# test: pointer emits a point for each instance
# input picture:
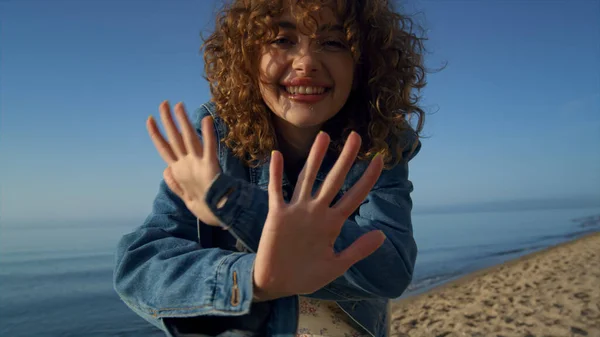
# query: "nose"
(306, 61)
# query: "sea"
(56, 276)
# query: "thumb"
(171, 182)
(364, 246)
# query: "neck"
(294, 142)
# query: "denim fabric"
(174, 267)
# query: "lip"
(307, 82)
(304, 98)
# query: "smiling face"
(306, 80)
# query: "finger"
(275, 180)
(335, 178)
(209, 137)
(355, 196)
(190, 138)
(172, 183)
(161, 145)
(364, 246)
(173, 134)
(306, 179)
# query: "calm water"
(452, 245)
(56, 278)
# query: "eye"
(282, 42)
(334, 44)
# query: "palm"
(192, 165)
(295, 254)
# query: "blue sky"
(517, 109)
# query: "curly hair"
(388, 77)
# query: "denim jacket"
(175, 267)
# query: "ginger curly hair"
(389, 75)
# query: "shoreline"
(554, 291)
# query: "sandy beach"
(553, 292)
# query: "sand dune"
(554, 292)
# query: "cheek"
(265, 78)
(263, 74)
(268, 81)
(344, 78)
(270, 68)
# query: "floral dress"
(320, 318)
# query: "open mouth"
(305, 90)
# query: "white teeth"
(302, 90)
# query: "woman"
(327, 85)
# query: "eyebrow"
(328, 27)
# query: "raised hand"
(192, 166)
(295, 254)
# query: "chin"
(306, 117)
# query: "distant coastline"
(418, 209)
(582, 226)
(511, 205)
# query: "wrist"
(260, 294)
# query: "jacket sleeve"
(163, 271)
(385, 273)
